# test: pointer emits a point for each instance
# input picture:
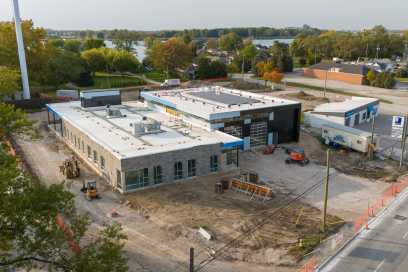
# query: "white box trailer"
(352, 138)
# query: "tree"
(93, 43)
(124, 61)
(348, 45)
(384, 80)
(148, 41)
(63, 67)
(95, 60)
(170, 55)
(212, 43)
(74, 46)
(263, 67)
(211, 69)
(275, 76)
(36, 48)
(124, 39)
(204, 68)
(12, 121)
(39, 225)
(230, 42)
(85, 79)
(371, 75)
(9, 82)
(402, 72)
(281, 58)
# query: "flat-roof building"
(255, 118)
(350, 112)
(135, 147)
(331, 70)
(173, 135)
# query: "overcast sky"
(181, 14)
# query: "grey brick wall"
(167, 160)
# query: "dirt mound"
(307, 97)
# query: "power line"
(262, 223)
(205, 250)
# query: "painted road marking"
(405, 235)
(379, 266)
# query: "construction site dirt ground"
(161, 223)
(354, 181)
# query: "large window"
(95, 157)
(118, 179)
(157, 174)
(178, 170)
(191, 171)
(214, 163)
(231, 157)
(102, 159)
(137, 179)
(89, 152)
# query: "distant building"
(350, 112)
(331, 70)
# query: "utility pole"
(403, 140)
(367, 51)
(378, 50)
(326, 190)
(243, 66)
(191, 259)
(315, 57)
(371, 151)
(325, 83)
(21, 51)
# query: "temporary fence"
(373, 209)
(310, 265)
(332, 244)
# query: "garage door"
(258, 133)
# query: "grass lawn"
(402, 79)
(106, 81)
(155, 75)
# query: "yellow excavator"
(90, 190)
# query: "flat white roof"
(345, 106)
(214, 102)
(116, 134)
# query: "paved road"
(383, 248)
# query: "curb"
(402, 194)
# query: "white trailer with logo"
(352, 138)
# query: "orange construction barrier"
(310, 266)
(59, 220)
(373, 209)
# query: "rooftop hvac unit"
(113, 113)
(146, 126)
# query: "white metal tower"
(21, 51)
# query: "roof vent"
(112, 113)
